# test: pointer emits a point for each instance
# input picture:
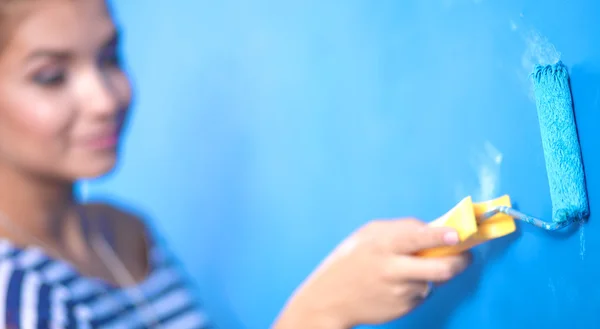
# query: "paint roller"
(480, 222)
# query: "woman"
(63, 101)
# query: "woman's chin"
(96, 169)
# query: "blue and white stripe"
(37, 291)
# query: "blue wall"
(264, 132)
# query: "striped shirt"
(37, 291)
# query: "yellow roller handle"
(464, 217)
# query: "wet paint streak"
(582, 240)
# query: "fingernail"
(451, 238)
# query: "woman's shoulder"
(118, 218)
(127, 232)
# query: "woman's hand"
(372, 277)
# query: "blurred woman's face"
(63, 95)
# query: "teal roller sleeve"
(562, 152)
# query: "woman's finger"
(429, 269)
(411, 236)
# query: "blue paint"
(560, 142)
(264, 132)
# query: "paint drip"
(582, 240)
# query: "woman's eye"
(50, 78)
